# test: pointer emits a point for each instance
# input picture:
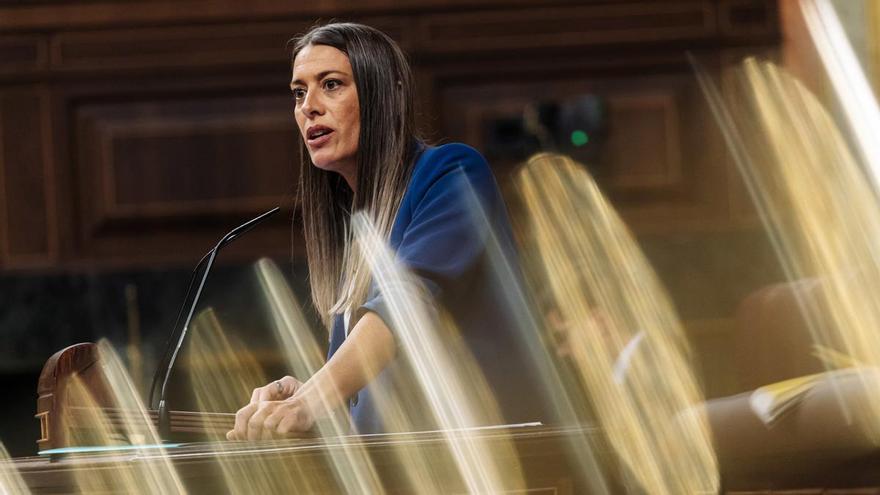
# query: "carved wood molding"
(102, 37)
(566, 27)
(172, 46)
(130, 150)
(169, 165)
(85, 15)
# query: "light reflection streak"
(304, 357)
(228, 386)
(560, 389)
(350, 463)
(132, 422)
(222, 370)
(851, 86)
(222, 375)
(607, 293)
(822, 215)
(443, 369)
(11, 482)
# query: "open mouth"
(316, 133)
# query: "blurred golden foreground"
(600, 328)
(814, 195)
(626, 344)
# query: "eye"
(299, 94)
(332, 84)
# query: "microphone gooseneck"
(166, 364)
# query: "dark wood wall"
(132, 133)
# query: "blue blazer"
(435, 236)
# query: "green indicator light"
(579, 138)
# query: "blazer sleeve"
(444, 240)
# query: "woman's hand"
(264, 400)
(280, 389)
(278, 410)
(270, 419)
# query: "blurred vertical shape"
(301, 351)
(223, 373)
(606, 294)
(351, 465)
(133, 348)
(444, 371)
(10, 480)
(126, 422)
(820, 211)
(851, 87)
(561, 388)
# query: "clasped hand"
(276, 410)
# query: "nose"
(312, 104)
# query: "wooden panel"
(748, 18)
(646, 152)
(662, 163)
(22, 54)
(853, 491)
(569, 27)
(177, 160)
(139, 92)
(186, 46)
(85, 14)
(173, 46)
(27, 220)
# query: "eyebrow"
(321, 75)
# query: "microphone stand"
(165, 371)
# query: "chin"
(320, 160)
(330, 163)
(324, 164)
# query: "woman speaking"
(353, 103)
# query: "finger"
(242, 416)
(239, 431)
(272, 420)
(269, 392)
(271, 423)
(278, 390)
(290, 385)
(255, 423)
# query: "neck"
(351, 180)
(348, 171)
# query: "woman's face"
(327, 110)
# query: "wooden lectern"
(61, 413)
(540, 450)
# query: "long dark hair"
(386, 148)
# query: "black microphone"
(168, 358)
